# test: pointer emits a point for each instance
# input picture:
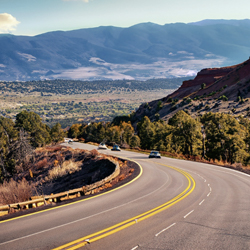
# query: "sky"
(33, 17)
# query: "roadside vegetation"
(19, 139)
(212, 137)
(98, 115)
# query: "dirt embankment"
(57, 169)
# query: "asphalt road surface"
(174, 204)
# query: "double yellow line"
(124, 224)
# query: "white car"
(102, 146)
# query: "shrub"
(159, 105)
(203, 85)
(54, 148)
(207, 107)
(42, 163)
(212, 93)
(13, 192)
(68, 167)
(223, 98)
(94, 153)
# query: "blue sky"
(32, 17)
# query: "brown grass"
(14, 192)
(42, 163)
(94, 153)
(68, 167)
(122, 177)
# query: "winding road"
(174, 204)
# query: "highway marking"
(134, 248)
(208, 194)
(127, 223)
(236, 172)
(201, 202)
(84, 218)
(188, 214)
(65, 205)
(165, 229)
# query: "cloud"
(27, 57)
(8, 23)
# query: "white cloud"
(27, 57)
(8, 23)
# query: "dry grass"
(94, 153)
(42, 163)
(68, 167)
(14, 192)
(122, 177)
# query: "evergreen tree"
(146, 132)
(187, 136)
(32, 123)
(225, 137)
(56, 133)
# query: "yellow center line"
(124, 224)
(74, 202)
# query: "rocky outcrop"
(207, 76)
(204, 93)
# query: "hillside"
(225, 90)
(143, 51)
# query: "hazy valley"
(70, 102)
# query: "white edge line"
(201, 202)
(165, 229)
(208, 194)
(84, 218)
(134, 248)
(188, 214)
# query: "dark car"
(116, 148)
(154, 154)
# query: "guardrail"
(37, 201)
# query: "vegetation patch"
(56, 169)
(68, 102)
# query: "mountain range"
(142, 51)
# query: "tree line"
(65, 87)
(213, 136)
(19, 138)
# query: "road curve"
(213, 215)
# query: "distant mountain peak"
(142, 51)
(233, 22)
